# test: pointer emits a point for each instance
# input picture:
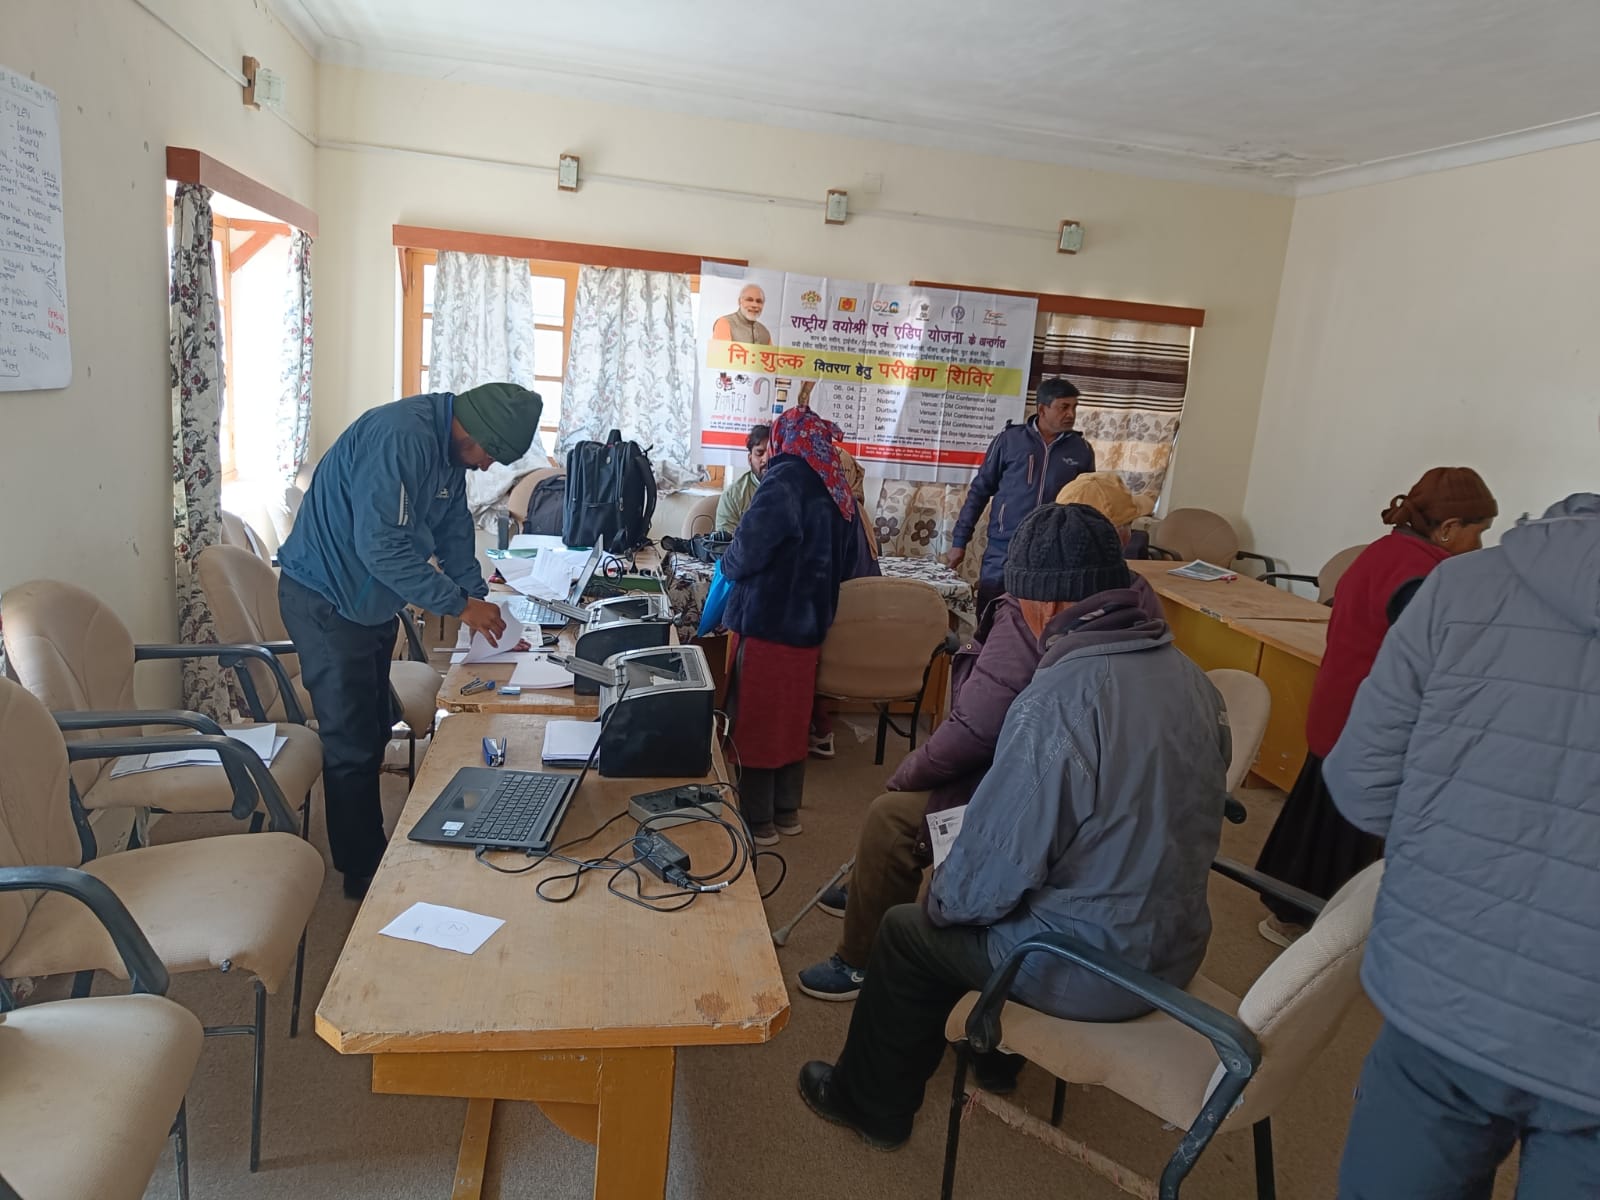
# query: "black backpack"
(611, 495)
(547, 505)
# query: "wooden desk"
(1243, 599)
(546, 702)
(1291, 654)
(577, 1007)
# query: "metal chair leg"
(883, 730)
(952, 1135)
(1266, 1183)
(1058, 1103)
(260, 1065)
(82, 983)
(411, 762)
(305, 818)
(257, 820)
(299, 981)
(180, 1148)
(916, 720)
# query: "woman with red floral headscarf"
(797, 541)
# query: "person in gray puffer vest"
(1474, 749)
(1099, 817)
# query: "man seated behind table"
(737, 495)
(1105, 492)
(1099, 818)
(893, 849)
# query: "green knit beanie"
(503, 418)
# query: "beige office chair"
(1249, 703)
(1186, 534)
(701, 517)
(235, 902)
(236, 531)
(881, 646)
(1325, 580)
(243, 594)
(72, 652)
(1204, 1060)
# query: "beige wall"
(1169, 243)
(85, 472)
(1439, 320)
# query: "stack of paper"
(480, 649)
(263, 739)
(540, 672)
(1203, 571)
(569, 743)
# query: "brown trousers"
(886, 873)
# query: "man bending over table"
(1099, 818)
(389, 495)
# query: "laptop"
(533, 611)
(501, 810)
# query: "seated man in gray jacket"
(1474, 749)
(1100, 818)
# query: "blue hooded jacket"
(1018, 474)
(385, 498)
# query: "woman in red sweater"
(1312, 846)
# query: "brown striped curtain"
(1133, 377)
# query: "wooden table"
(1291, 654)
(577, 1007)
(1247, 625)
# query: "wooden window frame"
(1087, 306)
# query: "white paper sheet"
(263, 739)
(537, 541)
(1205, 572)
(503, 656)
(942, 830)
(480, 649)
(540, 672)
(447, 928)
(569, 743)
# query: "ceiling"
(1279, 94)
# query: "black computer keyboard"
(522, 810)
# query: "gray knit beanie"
(1064, 552)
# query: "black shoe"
(355, 886)
(816, 1089)
(834, 900)
(997, 1073)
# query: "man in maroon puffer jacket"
(892, 850)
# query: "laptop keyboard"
(531, 612)
(522, 810)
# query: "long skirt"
(1312, 846)
(771, 692)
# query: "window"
(555, 286)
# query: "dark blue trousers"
(345, 667)
(1427, 1128)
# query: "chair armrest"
(414, 644)
(73, 722)
(1235, 1045)
(1155, 551)
(1272, 563)
(1274, 576)
(1234, 811)
(1266, 885)
(248, 775)
(232, 656)
(277, 648)
(146, 972)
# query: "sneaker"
(834, 899)
(788, 824)
(1280, 933)
(764, 835)
(822, 747)
(832, 980)
(817, 1090)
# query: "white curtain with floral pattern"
(292, 420)
(483, 330)
(195, 352)
(631, 367)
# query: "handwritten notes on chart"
(34, 350)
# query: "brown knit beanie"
(1442, 493)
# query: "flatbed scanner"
(618, 623)
(663, 698)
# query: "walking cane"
(780, 936)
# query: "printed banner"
(919, 380)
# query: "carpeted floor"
(739, 1128)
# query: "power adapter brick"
(678, 805)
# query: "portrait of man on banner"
(741, 325)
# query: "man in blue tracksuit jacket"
(1025, 466)
(388, 496)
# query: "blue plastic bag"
(716, 602)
